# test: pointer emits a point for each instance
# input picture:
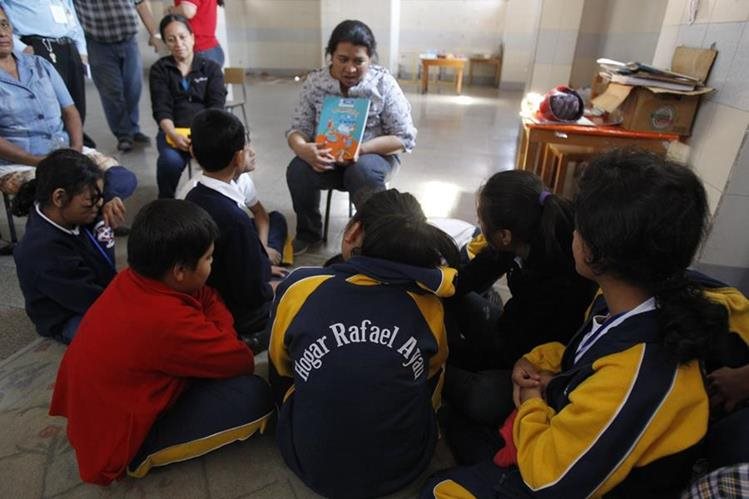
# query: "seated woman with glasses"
(182, 84)
(66, 257)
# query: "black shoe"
(88, 141)
(142, 139)
(6, 249)
(121, 231)
(258, 342)
(125, 144)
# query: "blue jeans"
(214, 54)
(277, 230)
(69, 329)
(367, 175)
(169, 166)
(119, 182)
(117, 70)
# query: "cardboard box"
(656, 109)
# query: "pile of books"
(638, 74)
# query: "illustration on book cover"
(341, 126)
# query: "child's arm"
(729, 387)
(215, 310)
(262, 224)
(70, 282)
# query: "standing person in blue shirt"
(66, 257)
(116, 66)
(37, 116)
(389, 130)
(50, 29)
(241, 268)
(357, 352)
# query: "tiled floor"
(461, 141)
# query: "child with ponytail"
(66, 256)
(622, 408)
(357, 352)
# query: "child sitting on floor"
(66, 257)
(241, 269)
(622, 408)
(357, 353)
(156, 373)
(270, 226)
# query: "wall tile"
(546, 46)
(739, 181)
(691, 35)
(735, 90)
(728, 243)
(713, 197)
(703, 12)
(564, 51)
(730, 11)
(720, 145)
(726, 38)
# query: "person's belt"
(63, 40)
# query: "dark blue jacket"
(61, 274)
(363, 344)
(241, 269)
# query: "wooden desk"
(492, 61)
(452, 62)
(533, 138)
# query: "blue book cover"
(341, 126)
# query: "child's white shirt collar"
(228, 189)
(73, 232)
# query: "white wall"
(625, 30)
(461, 27)
(519, 35)
(721, 124)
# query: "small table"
(447, 62)
(534, 136)
(492, 61)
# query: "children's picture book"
(341, 126)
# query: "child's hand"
(273, 255)
(728, 387)
(277, 271)
(525, 374)
(113, 212)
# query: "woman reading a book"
(388, 129)
(182, 84)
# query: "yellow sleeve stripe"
(448, 489)
(476, 246)
(431, 308)
(362, 280)
(738, 309)
(291, 302)
(287, 256)
(445, 287)
(196, 448)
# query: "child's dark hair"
(396, 229)
(517, 200)
(65, 169)
(354, 32)
(216, 137)
(169, 232)
(173, 18)
(643, 219)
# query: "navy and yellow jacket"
(625, 415)
(356, 356)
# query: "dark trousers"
(367, 175)
(68, 63)
(169, 166)
(727, 439)
(278, 231)
(206, 410)
(483, 480)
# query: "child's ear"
(59, 197)
(178, 272)
(502, 238)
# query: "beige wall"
(625, 30)
(720, 128)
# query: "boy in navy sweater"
(241, 268)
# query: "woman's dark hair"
(516, 200)
(169, 232)
(65, 169)
(396, 229)
(220, 3)
(643, 218)
(216, 137)
(173, 18)
(354, 32)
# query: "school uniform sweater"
(62, 272)
(132, 357)
(624, 415)
(549, 298)
(241, 269)
(356, 352)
